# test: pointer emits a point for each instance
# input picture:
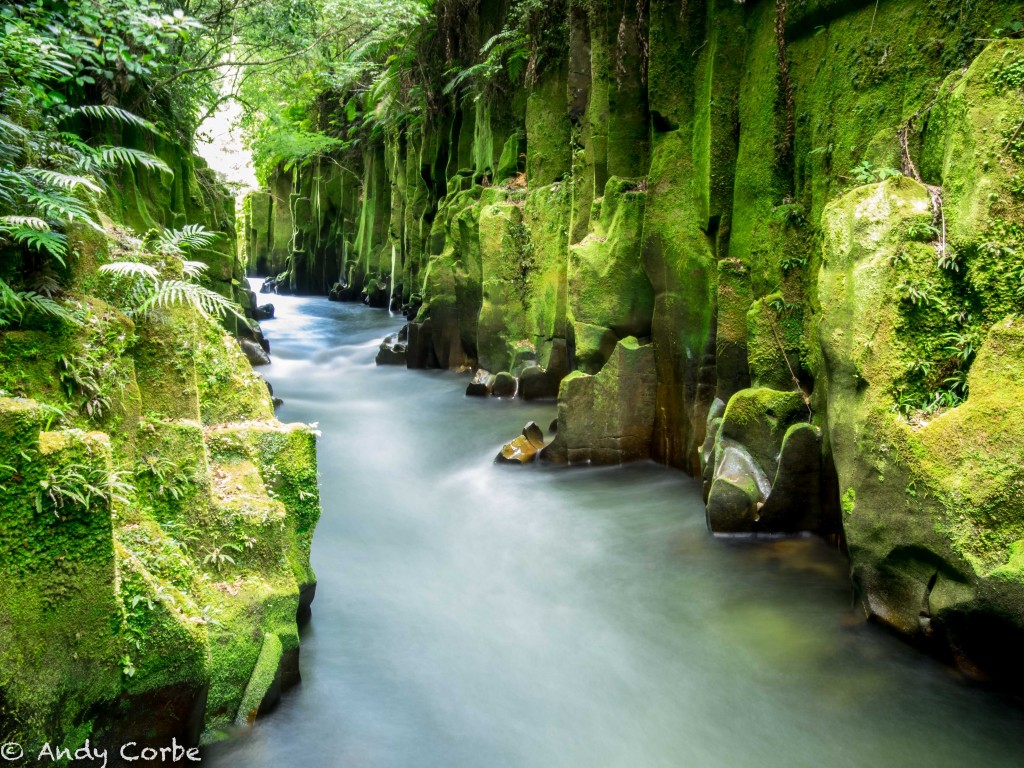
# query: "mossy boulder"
(607, 418)
(763, 465)
(931, 507)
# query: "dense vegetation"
(140, 592)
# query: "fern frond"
(56, 206)
(14, 305)
(11, 306)
(131, 269)
(32, 222)
(194, 269)
(108, 157)
(12, 129)
(62, 180)
(188, 237)
(44, 241)
(35, 302)
(107, 111)
(177, 292)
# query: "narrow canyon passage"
(470, 614)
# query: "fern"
(148, 292)
(16, 305)
(43, 305)
(171, 292)
(57, 205)
(53, 243)
(31, 222)
(61, 180)
(109, 157)
(175, 241)
(107, 111)
(8, 128)
(194, 269)
(131, 269)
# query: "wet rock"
(307, 592)
(338, 292)
(278, 402)
(734, 505)
(413, 307)
(518, 451)
(536, 384)
(794, 503)
(761, 443)
(523, 449)
(481, 384)
(375, 292)
(253, 332)
(254, 353)
(758, 419)
(247, 301)
(553, 426)
(505, 385)
(534, 434)
(420, 350)
(607, 418)
(263, 312)
(280, 284)
(392, 351)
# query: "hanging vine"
(786, 149)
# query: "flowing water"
(482, 616)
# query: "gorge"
(757, 265)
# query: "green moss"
(547, 130)
(263, 677)
(849, 501)
(606, 281)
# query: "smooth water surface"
(482, 616)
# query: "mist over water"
(477, 615)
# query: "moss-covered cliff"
(806, 212)
(155, 518)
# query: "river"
(483, 616)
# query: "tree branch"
(192, 70)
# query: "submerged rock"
(535, 384)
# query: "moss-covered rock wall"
(155, 518)
(807, 212)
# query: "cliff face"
(155, 518)
(809, 212)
